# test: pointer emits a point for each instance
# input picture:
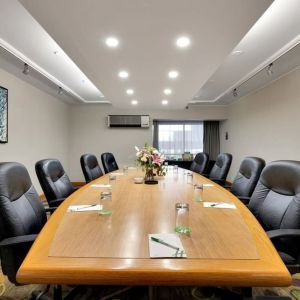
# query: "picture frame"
(3, 115)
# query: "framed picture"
(3, 115)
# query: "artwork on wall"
(3, 115)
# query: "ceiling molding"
(9, 48)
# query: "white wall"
(265, 124)
(38, 126)
(89, 133)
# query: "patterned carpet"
(10, 292)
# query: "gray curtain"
(155, 134)
(211, 139)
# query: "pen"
(84, 207)
(164, 243)
(215, 204)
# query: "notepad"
(117, 174)
(219, 205)
(159, 250)
(80, 208)
(207, 185)
(100, 185)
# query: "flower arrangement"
(151, 160)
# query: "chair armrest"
(279, 233)
(50, 209)
(218, 181)
(17, 240)
(244, 199)
(55, 203)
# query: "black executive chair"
(22, 216)
(200, 162)
(54, 181)
(90, 167)
(247, 178)
(221, 168)
(275, 203)
(109, 162)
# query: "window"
(175, 138)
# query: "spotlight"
(270, 69)
(234, 93)
(26, 69)
(60, 90)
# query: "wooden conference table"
(227, 247)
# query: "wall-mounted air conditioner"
(142, 121)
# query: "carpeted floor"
(10, 292)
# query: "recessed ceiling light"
(167, 91)
(123, 74)
(130, 92)
(173, 74)
(183, 42)
(237, 52)
(164, 102)
(134, 102)
(112, 42)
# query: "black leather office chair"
(22, 216)
(221, 168)
(109, 163)
(247, 178)
(199, 164)
(275, 203)
(90, 167)
(54, 181)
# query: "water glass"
(112, 179)
(105, 196)
(125, 170)
(175, 169)
(182, 218)
(189, 178)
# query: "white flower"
(136, 148)
(144, 158)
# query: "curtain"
(211, 139)
(155, 134)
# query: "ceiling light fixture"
(134, 102)
(112, 42)
(123, 74)
(25, 69)
(167, 91)
(60, 90)
(173, 74)
(270, 69)
(237, 52)
(130, 92)
(234, 93)
(164, 102)
(183, 42)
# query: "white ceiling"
(147, 31)
(276, 32)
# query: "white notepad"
(158, 250)
(117, 174)
(100, 185)
(219, 205)
(80, 208)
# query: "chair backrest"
(21, 213)
(109, 163)
(53, 179)
(275, 201)
(247, 176)
(200, 162)
(221, 167)
(90, 167)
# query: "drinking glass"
(125, 170)
(175, 169)
(112, 179)
(189, 178)
(182, 218)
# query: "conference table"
(227, 247)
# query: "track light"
(26, 69)
(270, 69)
(60, 90)
(234, 93)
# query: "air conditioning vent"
(141, 121)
